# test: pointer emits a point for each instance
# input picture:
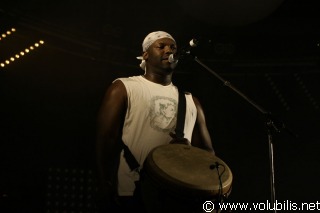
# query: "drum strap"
(181, 115)
(131, 160)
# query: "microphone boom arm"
(194, 43)
(228, 84)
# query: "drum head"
(189, 169)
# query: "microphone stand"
(270, 124)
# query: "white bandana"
(149, 40)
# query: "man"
(141, 113)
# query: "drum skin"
(188, 171)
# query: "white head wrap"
(149, 40)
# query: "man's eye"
(163, 46)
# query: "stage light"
(21, 53)
(7, 33)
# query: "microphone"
(174, 58)
(193, 42)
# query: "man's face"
(158, 53)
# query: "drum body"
(186, 175)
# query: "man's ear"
(145, 55)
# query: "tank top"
(151, 115)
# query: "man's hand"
(176, 140)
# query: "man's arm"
(109, 127)
(201, 136)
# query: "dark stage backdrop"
(49, 101)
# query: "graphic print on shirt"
(163, 113)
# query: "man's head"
(152, 37)
(158, 42)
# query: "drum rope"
(220, 193)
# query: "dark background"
(49, 98)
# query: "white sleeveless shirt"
(151, 115)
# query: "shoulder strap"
(181, 115)
(131, 160)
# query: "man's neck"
(163, 79)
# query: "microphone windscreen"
(171, 59)
(193, 43)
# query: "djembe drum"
(180, 178)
